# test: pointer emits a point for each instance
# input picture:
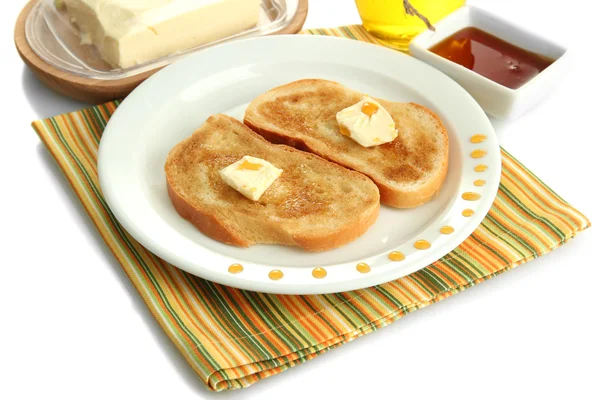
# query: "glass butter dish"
(116, 39)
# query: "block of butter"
(250, 176)
(131, 32)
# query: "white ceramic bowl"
(497, 100)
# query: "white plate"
(174, 102)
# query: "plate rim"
(318, 286)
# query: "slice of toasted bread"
(408, 171)
(314, 204)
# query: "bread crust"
(206, 223)
(339, 238)
(427, 191)
(389, 195)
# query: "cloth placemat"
(233, 338)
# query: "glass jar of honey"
(397, 22)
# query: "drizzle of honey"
(363, 268)
(319, 273)
(396, 256)
(369, 109)
(235, 269)
(478, 138)
(471, 196)
(481, 168)
(446, 230)
(478, 153)
(468, 212)
(247, 165)
(422, 245)
(275, 275)
(344, 131)
(492, 57)
(479, 182)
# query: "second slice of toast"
(408, 171)
(314, 204)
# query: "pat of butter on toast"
(250, 176)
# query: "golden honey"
(247, 165)
(481, 168)
(478, 138)
(319, 273)
(396, 256)
(446, 230)
(478, 153)
(388, 20)
(422, 245)
(471, 196)
(492, 57)
(235, 269)
(369, 109)
(275, 275)
(344, 131)
(468, 212)
(363, 268)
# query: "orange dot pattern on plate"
(468, 212)
(481, 168)
(319, 273)
(478, 153)
(446, 230)
(422, 245)
(471, 196)
(275, 275)
(369, 109)
(344, 131)
(478, 138)
(479, 182)
(363, 268)
(235, 268)
(396, 256)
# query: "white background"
(72, 326)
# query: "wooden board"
(97, 91)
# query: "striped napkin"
(233, 338)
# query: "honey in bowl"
(492, 57)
